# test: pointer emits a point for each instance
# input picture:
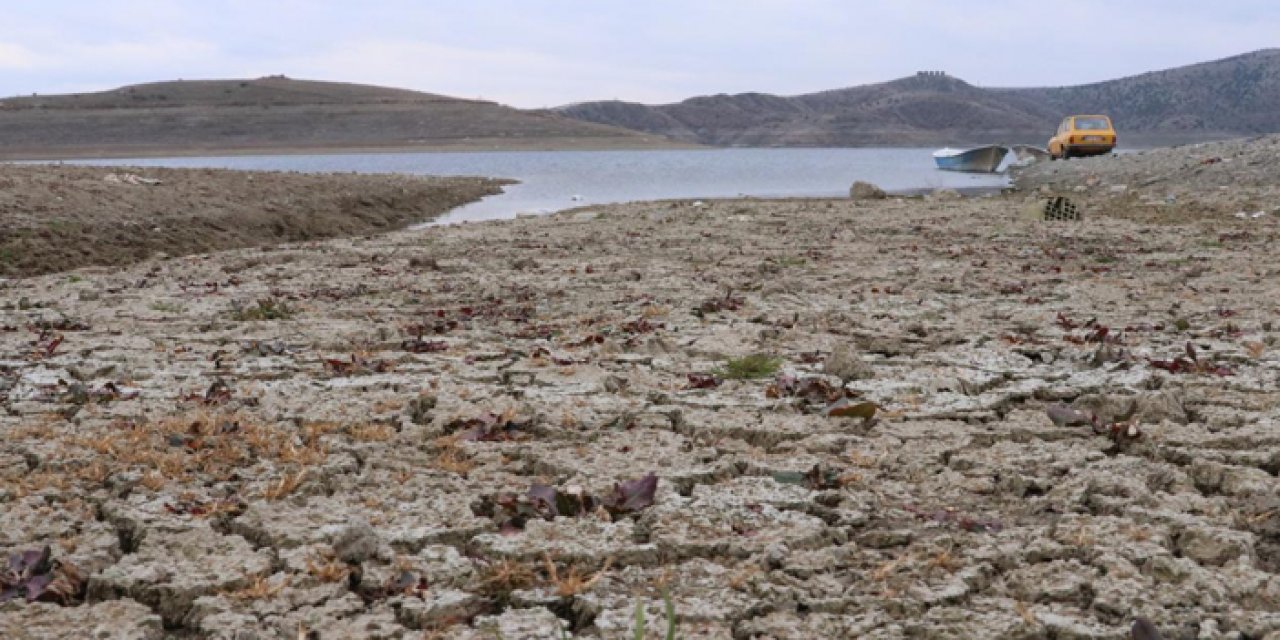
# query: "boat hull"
(978, 160)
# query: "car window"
(1092, 124)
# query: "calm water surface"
(555, 180)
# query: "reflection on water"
(555, 180)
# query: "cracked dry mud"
(247, 478)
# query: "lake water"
(555, 180)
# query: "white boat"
(978, 159)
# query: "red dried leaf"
(1066, 323)
(641, 325)
(727, 303)
(544, 498)
(424, 346)
(961, 520)
(633, 495)
(53, 346)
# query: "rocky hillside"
(278, 113)
(1236, 95)
(1214, 99)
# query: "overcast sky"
(532, 53)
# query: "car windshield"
(1092, 124)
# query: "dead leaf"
(844, 408)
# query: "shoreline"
(497, 145)
(487, 145)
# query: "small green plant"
(639, 630)
(73, 278)
(669, 606)
(264, 309)
(752, 367)
(1182, 324)
(60, 225)
(791, 261)
(167, 307)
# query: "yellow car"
(1080, 136)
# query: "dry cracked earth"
(980, 425)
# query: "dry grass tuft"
(1025, 611)
(1083, 538)
(866, 460)
(573, 582)
(1137, 533)
(307, 455)
(451, 457)
(287, 485)
(655, 311)
(946, 561)
(328, 570)
(1255, 349)
(153, 480)
(740, 580)
(372, 433)
(499, 579)
(261, 589)
(96, 473)
(886, 570)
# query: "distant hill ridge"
(270, 90)
(1232, 96)
(281, 114)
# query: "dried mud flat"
(1072, 424)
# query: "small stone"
(356, 543)
(844, 364)
(1215, 546)
(866, 191)
(886, 539)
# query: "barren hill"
(278, 113)
(1237, 95)
(1215, 99)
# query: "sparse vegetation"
(168, 307)
(669, 608)
(500, 578)
(285, 486)
(263, 309)
(752, 367)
